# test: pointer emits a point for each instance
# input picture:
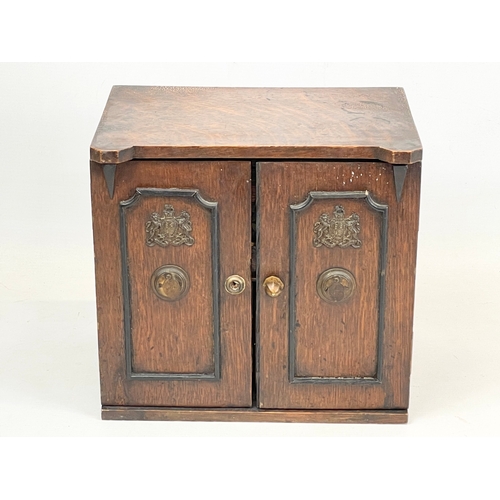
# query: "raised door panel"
(336, 285)
(170, 284)
(169, 334)
(339, 335)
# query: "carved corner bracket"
(109, 170)
(399, 179)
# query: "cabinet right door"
(338, 335)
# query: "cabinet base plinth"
(255, 415)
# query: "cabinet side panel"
(109, 298)
(401, 270)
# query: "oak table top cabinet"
(255, 253)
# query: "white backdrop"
(48, 343)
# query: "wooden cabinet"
(255, 253)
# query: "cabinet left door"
(172, 332)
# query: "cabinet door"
(169, 332)
(339, 334)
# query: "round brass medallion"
(335, 285)
(170, 283)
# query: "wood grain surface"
(254, 415)
(332, 339)
(198, 122)
(336, 339)
(174, 337)
(178, 336)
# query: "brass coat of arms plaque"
(337, 230)
(169, 229)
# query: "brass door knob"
(273, 286)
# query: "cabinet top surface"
(262, 123)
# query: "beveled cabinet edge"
(254, 415)
(351, 153)
(379, 207)
(213, 208)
